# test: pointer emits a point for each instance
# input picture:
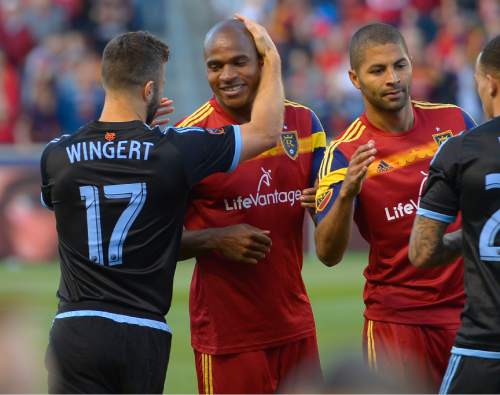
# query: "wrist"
(213, 239)
(272, 57)
(346, 195)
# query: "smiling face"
(384, 77)
(233, 69)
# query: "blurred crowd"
(50, 50)
(443, 36)
(49, 63)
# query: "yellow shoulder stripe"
(352, 134)
(200, 118)
(435, 107)
(428, 105)
(297, 105)
(329, 151)
(195, 114)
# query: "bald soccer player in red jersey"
(251, 320)
(374, 173)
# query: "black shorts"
(89, 354)
(471, 375)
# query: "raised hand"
(357, 170)
(263, 41)
(243, 243)
(165, 108)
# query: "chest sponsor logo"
(264, 196)
(290, 143)
(440, 138)
(403, 209)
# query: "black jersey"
(119, 193)
(465, 176)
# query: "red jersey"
(385, 208)
(238, 307)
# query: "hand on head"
(263, 41)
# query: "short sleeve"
(206, 151)
(331, 175)
(440, 196)
(318, 146)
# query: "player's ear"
(493, 85)
(354, 78)
(148, 91)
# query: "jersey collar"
(376, 130)
(215, 104)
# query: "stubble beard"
(153, 105)
(382, 105)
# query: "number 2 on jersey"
(487, 249)
(137, 195)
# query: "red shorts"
(418, 355)
(261, 371)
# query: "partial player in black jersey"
(119, 189)
(464, 177)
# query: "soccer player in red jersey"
(374, 173)
(251, 319)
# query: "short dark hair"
(374, 33)
(132, 59)
(490, 57)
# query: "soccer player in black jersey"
(465, 176)
(118, 189)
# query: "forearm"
(196, 243)
(429, 246)
(334, 231)
(268, 108)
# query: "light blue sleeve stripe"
(492, 181)
(450, 372)
(122, 319)
(43, 202)
(467, 352)
(237, 147)
(186, 129)
(437, 216)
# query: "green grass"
(335, 293)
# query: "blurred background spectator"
(49, 85)
(49, 63)
(444, 38)
(50, 50)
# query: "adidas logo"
(383, 166)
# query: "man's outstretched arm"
(240, 243)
